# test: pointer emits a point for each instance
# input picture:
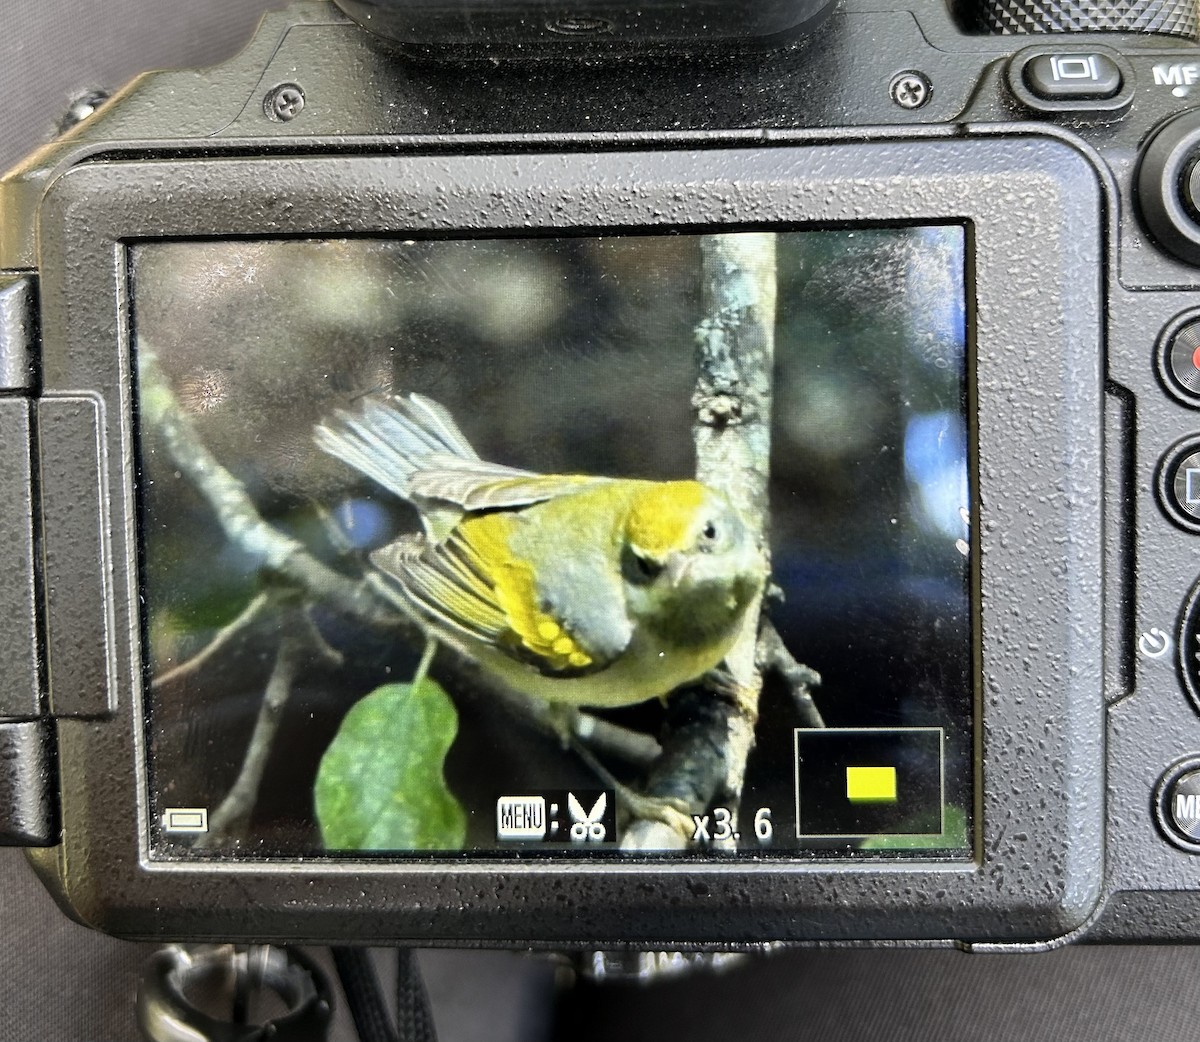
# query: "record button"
(1179, 358)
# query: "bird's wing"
(478, 485)
(471, 584)
(442, 582)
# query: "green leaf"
(954, 835)
(380, 785)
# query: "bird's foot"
(672, 812)
(563, 722)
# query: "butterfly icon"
(587, 826)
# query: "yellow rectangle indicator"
(871, 784)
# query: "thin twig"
(774, 657)
(223, 637)
(612, 741)
(327, 651)
(230, 819)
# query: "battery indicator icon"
(186, 820)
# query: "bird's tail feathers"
(391, 438)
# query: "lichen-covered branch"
(710, 737)
(735, 355)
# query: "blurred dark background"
(59, 981)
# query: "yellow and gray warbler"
(576, 589)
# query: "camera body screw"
(284, 103)
(82, 105)
(910, 90)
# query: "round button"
(1189, 187)
(1179, 484)
(1165, 186)
(1177, 804)
(1189, 646)
(1179, 358)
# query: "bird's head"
(689, 561)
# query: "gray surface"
(53, 50)
(60, 982)
(1073, 995)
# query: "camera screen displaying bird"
(562, 545)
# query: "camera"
(674, 475)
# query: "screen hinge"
(28, 767)
(18, 332)
(28, 784)
(20, 643)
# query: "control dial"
(1019, 17)
(1168, 186)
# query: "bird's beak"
(676, 568)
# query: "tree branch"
(230, 819)
(774, 657)
(248, 614)
(710, 732)
(236, 512)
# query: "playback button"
(1179, 484)
(1067, 76)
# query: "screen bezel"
(1033, 216)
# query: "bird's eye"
(710, 531)
(639, 570)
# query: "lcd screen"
(427, 569)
